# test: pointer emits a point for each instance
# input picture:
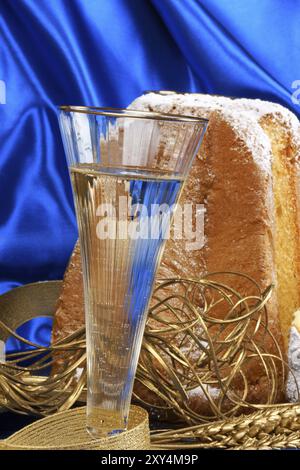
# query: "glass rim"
(132, 113)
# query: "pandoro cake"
(247, 177)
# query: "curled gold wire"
(187, 346)
(220, 358)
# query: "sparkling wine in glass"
(127, 170)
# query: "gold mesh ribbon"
(66, 431)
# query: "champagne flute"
(127, 170)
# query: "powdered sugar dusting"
(243, 116)
(253, 138)
(199, 392)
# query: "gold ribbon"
(26, 302)
(67, 431)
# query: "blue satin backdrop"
(105, 53)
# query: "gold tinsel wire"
(187, 346)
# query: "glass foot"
(105, 423)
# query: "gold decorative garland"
(183, 323)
